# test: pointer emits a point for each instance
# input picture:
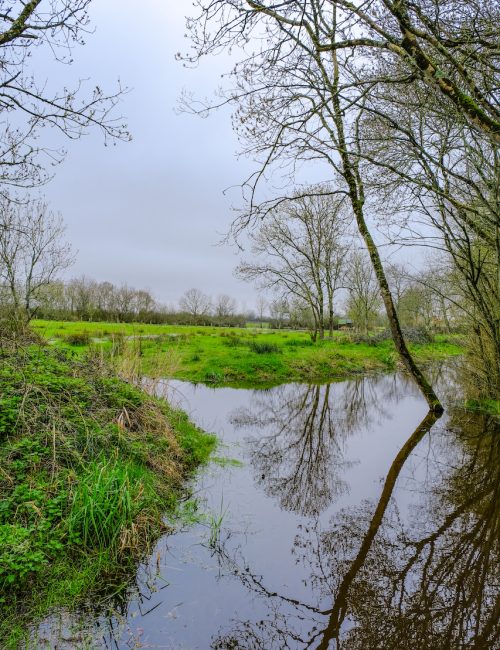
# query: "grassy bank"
(89, 464)
(242, 357)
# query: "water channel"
(335, 516)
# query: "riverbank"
(89, 466)
(242, 357)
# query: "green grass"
(89, 466)
(245, 357)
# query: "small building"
(344, 324)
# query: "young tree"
(279, 310)
(32, 253)
(261, 305)
(363, 303)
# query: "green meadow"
(239, 356)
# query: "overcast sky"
(150, 212)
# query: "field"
(238, 356)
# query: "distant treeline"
(87, 299)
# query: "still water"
(335, 516)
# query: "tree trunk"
(351, 175)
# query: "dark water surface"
(353, 521)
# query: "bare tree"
(445, 177)
(300, 249)
(261, 305)
(32, 253)
(82, 295)
(279, 310)
(27, 105)
(224, 306)
(144, 301)
(195, 303)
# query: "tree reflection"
(427, 579)
(298, 455)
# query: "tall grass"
(263, 347)
(104, 504)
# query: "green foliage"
(489, 406)
(19, 556)
(8, 413)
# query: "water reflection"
(342, 530)
(298, 451)
(429, 581)
(294, 461)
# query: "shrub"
(418, 335)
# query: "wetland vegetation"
(250, 356)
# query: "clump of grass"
(214, 377)
(232, 341)
(215, 521)
(117, 344)
(264, 347)
(78, 338)
(299, 343)
(104, 503)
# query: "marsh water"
(333, 516)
